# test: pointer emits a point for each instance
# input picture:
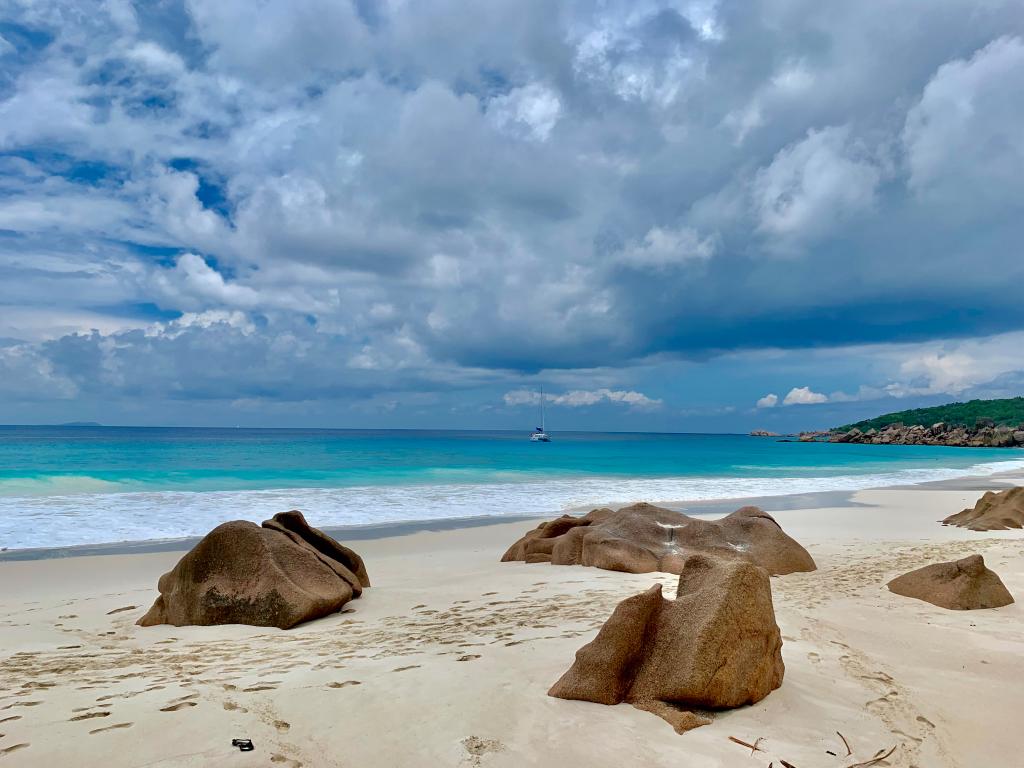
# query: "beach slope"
(447, 660)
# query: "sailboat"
(539, 435)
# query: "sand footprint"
(468, 657)
(402, 669)
(115, 726)
(22, 704)
(279, 759)
(176, 707)
(122, 610)
(89, 716)
(13, 748)
(476, 748)
(344, 684)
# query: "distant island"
(80, 424)
(977, 424)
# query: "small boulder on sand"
(715, 646)
(993, 512)
(642, 538)
(277, 575)
(962, 585)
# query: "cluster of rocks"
(717, 645)
(763, 433)
(642, 538)
(982, 436)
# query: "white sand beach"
(447, 659)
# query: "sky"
(678, 216)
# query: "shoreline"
(69, 513)
(386, 530)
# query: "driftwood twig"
(845, 744)
(753, 747)
(879, 757)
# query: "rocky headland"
(980, 436)
(974, 424)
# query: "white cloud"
(203, 281)
(153, 57)
(804, 396)
(578, 398)
(662, 248)
(785, 88)
(768, 401)
(621, 48)
(27, 375)
(813, 186)
(948, 372)
(965, 133)
(955, 367)
(532, 111)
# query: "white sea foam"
(92, 518)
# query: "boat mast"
(542, 410)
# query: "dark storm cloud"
(347, 197)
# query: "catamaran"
(539, 435)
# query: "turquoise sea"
(75, 485)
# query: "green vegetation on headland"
(1008, 412)
(976, 424)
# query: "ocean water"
(62, 486)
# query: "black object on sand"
(244, 745)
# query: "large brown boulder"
(642, 538)
(993, 512)
(277, 575)
(715, 646)
(962, 585)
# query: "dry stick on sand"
(879, 757)
(753, 747)
(845, 744)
